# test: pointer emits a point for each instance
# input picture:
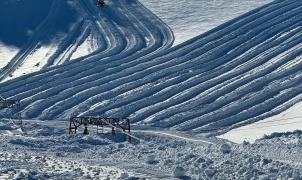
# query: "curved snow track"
(242, 71)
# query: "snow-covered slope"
(127, 31)
(189, 18)
(34, 38)
(287, 121)
(240, 72)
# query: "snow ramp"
(240, 72)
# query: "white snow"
(289, 120)
(34, 61)
(6, 54)
(190, 18)
(240, 72)
(45, 150)
(186, 18)
(87, 47)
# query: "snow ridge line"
(223, 78)
(296, 40)
(64, 51)
(117, 62)
(150, 65)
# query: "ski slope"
(61, 31)
(242, 71)
(190, 18)
(287, 121)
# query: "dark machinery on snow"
(100, 3)
(100, 123)
(11, 108)
(8, 103)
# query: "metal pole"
(70, 126)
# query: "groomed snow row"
(242, 71)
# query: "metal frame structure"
(10, 104)
(100, 123)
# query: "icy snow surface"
(240, 72)
(119, 62)
(6, 53)
(289, 120)
(45, 151)
(189, 18)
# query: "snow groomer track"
(245, 70)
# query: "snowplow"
(100, 3)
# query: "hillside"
(190, 18)
(242, 71)
(178, 92)
(60, 31)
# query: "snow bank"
(151, 159)
(179, 172)
(225, 148)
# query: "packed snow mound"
(225, 148)
(61, 155)
(179, 172)
(284, 147)
(240, 72)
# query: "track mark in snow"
(237, 73)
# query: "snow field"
(237, 73)
(45, 151)
(289, 120)
(190, 18)
(240, 72)
(29, 166)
